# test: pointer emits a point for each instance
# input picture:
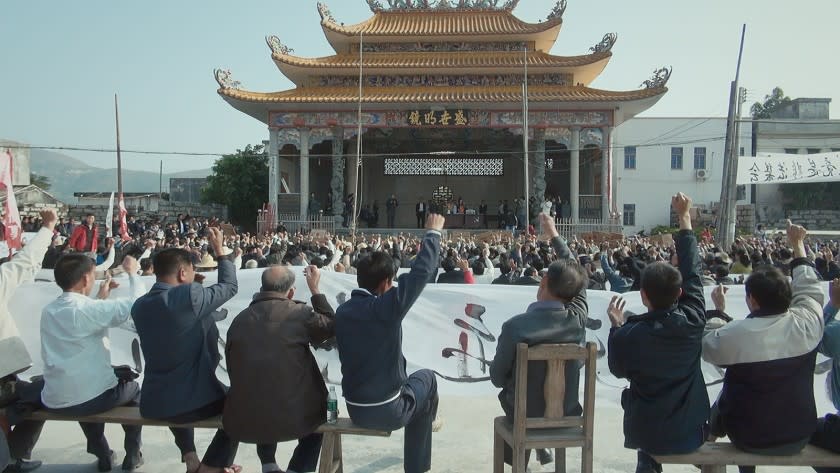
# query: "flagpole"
(119, 156)
(358, 139)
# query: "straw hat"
(207, 262)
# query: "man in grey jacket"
(14, 358)
(178, 334)
(558, 316)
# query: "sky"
(61, 62)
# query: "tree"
(41, 181)
(772, 103)
(239, 181)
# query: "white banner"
(446, 318)
(109, 218)
(768, 168)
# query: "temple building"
(438, 91)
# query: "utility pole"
(119, 157)
(729, 193)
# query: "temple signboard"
(424, 118)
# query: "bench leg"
(498, 453)
(712, 469)
(327, 460)
(338, 459)
(559, 460)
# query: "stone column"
(273, 171)
(606, 154)
(352, 166)
(538, 183)
(304, 173)
(337, 182)
(574, 175)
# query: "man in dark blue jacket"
(666, 408)
(368, 327)
(178, 334)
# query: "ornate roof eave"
(586, 67)
(376, 6)
(426, 25)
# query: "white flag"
(109, 219)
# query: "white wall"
(652, 183)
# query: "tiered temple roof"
(422, 53)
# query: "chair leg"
(498, 453)
(327, 456)
(520, 463)
(559, 460)
(586, 457)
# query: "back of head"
(168, 262)
(661, 283)
(448, 264)
(770, 289)
(72, 268)
(565, 279)
(478, 268)
(504, 265)
(373, 269)
(277, 279)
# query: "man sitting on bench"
(666, 408)
(558, 316)
(78, 378)
(379, 393)
(178, 334)
(276, 392)
(767, 403)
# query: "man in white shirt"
(14, 358)
(78, 377)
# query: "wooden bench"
(331, 460)
(714, 457)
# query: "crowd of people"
(769, 355)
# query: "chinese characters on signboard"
(789, 168)
(424, 118)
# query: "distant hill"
(68, 175)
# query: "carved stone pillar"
(304, 173)
(606, 158)
(538, 183)
(273, 171)
(574, 175)
(337, 181)
(352, 166)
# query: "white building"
(657, 157)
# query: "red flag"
(11, 216)
(123, 223)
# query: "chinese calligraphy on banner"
(422, 118)
(769, 168)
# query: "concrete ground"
(464, 445)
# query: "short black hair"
(478, 268)
(145, 264)
(661, 282)
(770, 288)
(168, 262)
(373, 269)
(448, 264)
(71, 268)
(566, 279)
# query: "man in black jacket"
(378, 392)
(666, 408)
(558, 316)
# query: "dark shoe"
(593, 324)
(106, 463)
(132, 462)
(22, 466)
(544, 456)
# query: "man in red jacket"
(85, 237)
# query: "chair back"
(556, 356)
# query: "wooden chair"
(554, 429)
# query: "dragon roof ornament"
(324, 11)
(558, 10)
(659, 79)
(606, 44)
(376, 6)
(276, 46)
(225, 79)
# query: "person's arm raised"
(208, 299)
(410, 285)
(692, 300)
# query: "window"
(629, 215)
(741, 192)
(834, 150)
(791, 151)
(813, 150)
(629, 157)
(676, 158)
(742, 150)
(700, 158)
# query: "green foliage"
(239, 181)
(811, 196)
(41, 181)
(773, 102)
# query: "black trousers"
(222, 449)
(304, 458)
(421, 219)
(25, 433)
(391, 218)
(124, 394)
(508, 450)
(415, 410)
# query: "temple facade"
(437, 93)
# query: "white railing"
(294, 224)
(569, 229)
